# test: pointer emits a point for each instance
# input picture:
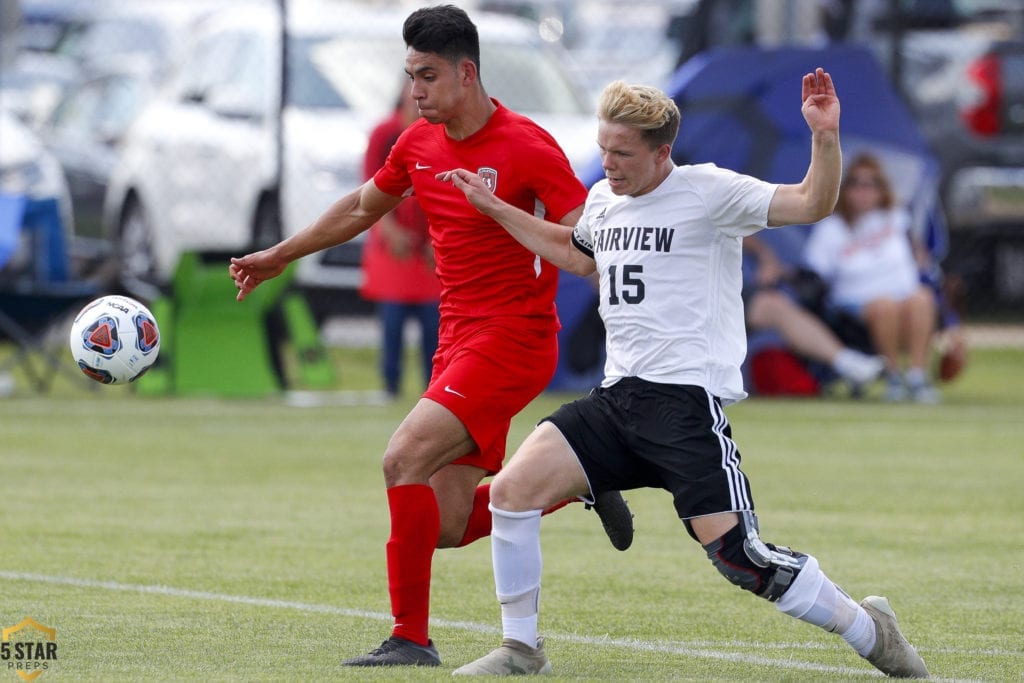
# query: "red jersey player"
(497, 339)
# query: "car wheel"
(138, 261)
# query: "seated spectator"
(866, 253)
(772, 304)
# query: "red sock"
(415, 530)
(479, 524)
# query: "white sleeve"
(581, 238)
(582, 234)
(737, 204)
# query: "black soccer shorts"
(638, 434)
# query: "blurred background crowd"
(162, 127)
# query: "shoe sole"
(616, 518)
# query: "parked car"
(200, 166)
(65, 41)
(964, 83)
(85, 132)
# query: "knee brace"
(745, 560)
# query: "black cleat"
(397, 651)
(616, 518)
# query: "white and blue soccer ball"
(115, 339)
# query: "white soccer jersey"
(670, 270)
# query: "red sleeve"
(552, 177)
(393, 176)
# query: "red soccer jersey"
(483, 271)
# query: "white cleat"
(892, 654)
(511, 659)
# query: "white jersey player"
(666, 242)
(669, 265)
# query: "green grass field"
(173, 539)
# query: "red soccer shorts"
(485, 376)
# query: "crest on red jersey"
(489, 176)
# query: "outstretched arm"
(815, 196)
(343, 220)
(551, 241)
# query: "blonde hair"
(642, 107)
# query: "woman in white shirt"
(866, 253)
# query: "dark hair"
(444, 30)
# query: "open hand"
(820, 104)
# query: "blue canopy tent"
(741, 110)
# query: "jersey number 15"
(632, 290)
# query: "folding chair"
(213, 345)
(34, 295)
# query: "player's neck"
(475, 114)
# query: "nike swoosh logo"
(420, 167)
(452, 391)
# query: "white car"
(200, 165)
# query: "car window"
(124, 98)
(103, 107)
(320, 70)
(211, 64)
(250, 70)
(78, 111)
(348, 71)
(107, 39)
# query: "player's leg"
(462, 420)
(712, 495)
(577, 451)
(478, 523)
(463, 495)
(543, 471)
(798, 587)
(428, 438)
(497, 374)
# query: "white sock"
(515, 553)
(855, 366)
(815, 599)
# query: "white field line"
(698, 648)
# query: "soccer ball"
(114, 339)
